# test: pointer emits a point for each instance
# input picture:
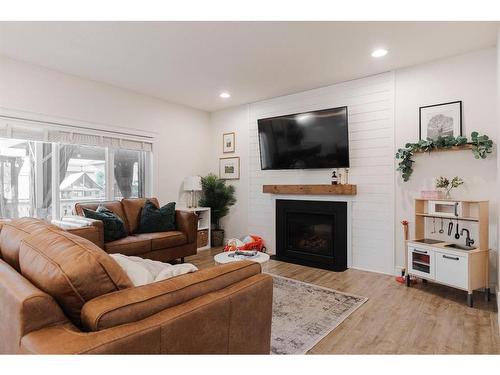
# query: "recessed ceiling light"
(379, 52)
(225, 95)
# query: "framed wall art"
(229, 168)
(440, 120)
(228, 145)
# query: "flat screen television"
(307, 140)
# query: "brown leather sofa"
(60, 293)
(162, 246)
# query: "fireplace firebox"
(312, 233)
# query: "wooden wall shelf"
(467, 146)
(310, 189)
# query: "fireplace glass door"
(310, 233)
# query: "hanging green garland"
(482, 145)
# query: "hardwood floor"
(423, 319)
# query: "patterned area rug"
(304, 313)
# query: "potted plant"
(219, 197)
(447, 185)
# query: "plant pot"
(217, 237)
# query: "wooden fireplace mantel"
(310, 189)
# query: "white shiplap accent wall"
(370, 104)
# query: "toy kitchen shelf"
(449, 263)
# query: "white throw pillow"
(146, 271)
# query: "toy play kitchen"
(454, 259)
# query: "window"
(82, 173)
(129, 173)
(25, 182)
(28, 170)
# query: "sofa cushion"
(114, 206)
(154, 219)
(165, 240)
(12, 234)
(71, 269)
(132, 208)
(130, 245)
(113, 225)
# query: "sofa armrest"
(134, 304)
(90, 229)
(187, 222)
(92, 233)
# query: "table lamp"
(192, 184)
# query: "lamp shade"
(192, 183)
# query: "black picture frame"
(459, 102)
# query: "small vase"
(448, 194)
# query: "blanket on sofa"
(145, 271)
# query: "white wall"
(371, 108)
(472, 79)
(227, 121)
(181, 132)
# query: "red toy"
(256, 244)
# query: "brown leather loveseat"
(162, 246)
(60, 293)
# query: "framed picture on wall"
(229, 168)
(228, 143)
(440, 120)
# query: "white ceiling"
(192, 62)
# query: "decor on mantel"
(219, 197)
(340, 176)
(447, 185)
(481, 146)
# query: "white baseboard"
(374, 271)
(498, 306)
(397, 271)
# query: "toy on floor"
(246, 243)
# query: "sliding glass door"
(24, 191)
(45, 180)
(82, 175)
(129, 172)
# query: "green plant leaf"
(481, 147)
(218, 196)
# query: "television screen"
(317, 139)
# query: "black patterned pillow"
(114, 228)
(154, 219)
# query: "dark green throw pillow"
(154, 219)
(114, 228)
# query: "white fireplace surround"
(370, 103)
